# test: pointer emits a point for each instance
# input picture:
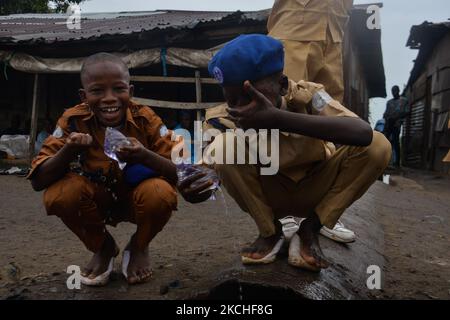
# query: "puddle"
(237, 290)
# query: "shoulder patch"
(163, 131)
(58, 133)
(320, 99)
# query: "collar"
(129, 115)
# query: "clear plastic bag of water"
(186, 170)
(115, 140)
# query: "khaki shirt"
(298, 154)
(447, 157)
(141, 123)
(396, 112)
(308, 20)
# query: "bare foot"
(100, 261)
(261, 247)
(309, 242)
(139, 266)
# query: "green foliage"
(35, 6)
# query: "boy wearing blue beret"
(315, 180)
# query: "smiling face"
(107, 91)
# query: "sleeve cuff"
(37, 162)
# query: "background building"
(167, 52)
(426, 138)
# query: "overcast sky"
(397, 17)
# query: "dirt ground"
(415, 216)
(201, 242)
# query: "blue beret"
(247, 57)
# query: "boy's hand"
(133, 153)
(193, 187)
(77, 141)
(258, 114)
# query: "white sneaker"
(339, 233)
(290, 226)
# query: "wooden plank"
(198, 93)
(172, 79)
(34, 117)
(176, 105)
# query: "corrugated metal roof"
(30, 29)
(49, 28)
(425, 37)
(426, 33)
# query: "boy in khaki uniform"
(96, 194)
(315, 181)
(312, 32)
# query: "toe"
(145, 276)
(309, 259)
(96, 272)
(86, 272)
(257, 255)
(92, 276)
(132, 278)
(320, 262)
(147, 273)
(248, 250)
(139, 276)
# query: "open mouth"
(109, 110)
(111, 114)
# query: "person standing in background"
(312, 32)
(396, 111)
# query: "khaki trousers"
(328, 189)
(86, 207)
(316, 61)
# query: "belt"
(100, 178)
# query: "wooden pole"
(198, 92)
(172, 79)
(34, 117)
(198, 95)
(176, 105)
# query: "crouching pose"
(95, 193)
(316, 180)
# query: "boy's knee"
(234, 157)
(66, 194)
(225, 171)
(155, 197)
(379, 151)
(228, 148)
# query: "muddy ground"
(404, 227)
